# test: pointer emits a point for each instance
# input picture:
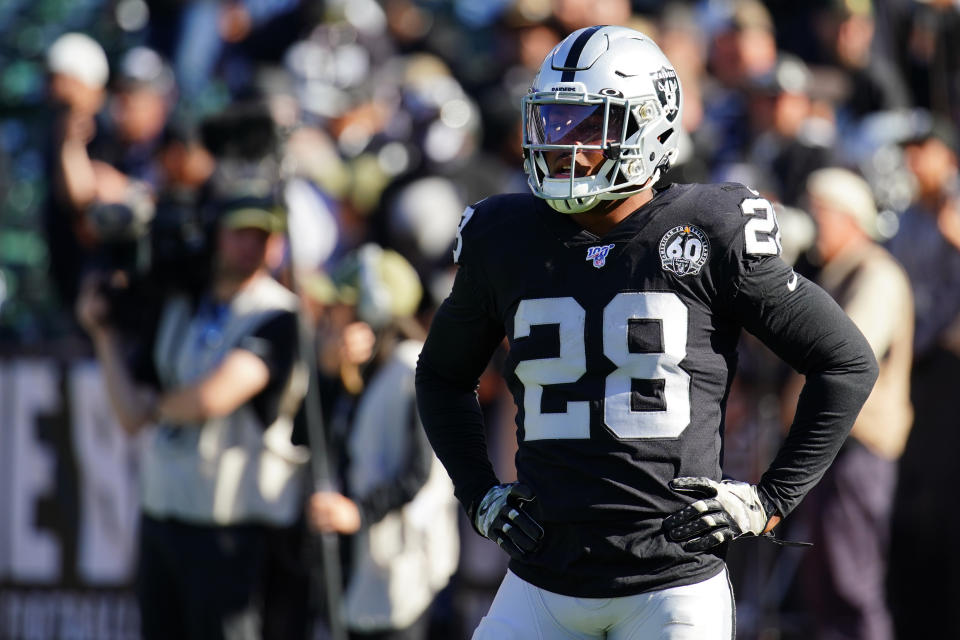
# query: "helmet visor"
(568, 124)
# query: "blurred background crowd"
(373, 123)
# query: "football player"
(622, 300)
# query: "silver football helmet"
(603, 90)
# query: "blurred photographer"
(106, 164)
(221, 477)
(77, 74)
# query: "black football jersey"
(621, 353)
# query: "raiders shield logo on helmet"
(668, 91)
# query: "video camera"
(164, 244)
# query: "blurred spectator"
(185, 164)
(221, 477)
(214, 44)
(398, 502)
(928, 245)
(577, 14)
(78, 73)
(424, 235)
(435, 118)
(927, 242)
(682, 41)
(848, 512)
(742, 48)
(106, 174)
(790, 138)
(78, 70)
(142, 98)
(875, 83)
(933, 58)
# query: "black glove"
(732, 509)
(501, 517)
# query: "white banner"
(68, 487)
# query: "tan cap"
(252, 218)
(380, 282)
(849, 193)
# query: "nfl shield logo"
(599, 254)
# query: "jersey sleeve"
(463, 335)
(139, 358)
(274, 342)
(141, 365)
(799, 322)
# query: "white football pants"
(700, 611)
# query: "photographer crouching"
(220, 475)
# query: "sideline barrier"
(68, 495)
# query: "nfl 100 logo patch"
(684, 250)
(599, 254)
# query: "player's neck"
(609, 213)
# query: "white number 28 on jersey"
(619, 416)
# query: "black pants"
(204, 582)
(924, 579)
(844, 574)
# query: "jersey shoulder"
(714, 207)
(732, 215)
(487, 225)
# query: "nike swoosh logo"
(792, 282)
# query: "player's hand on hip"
(502, 518)
(726, 510)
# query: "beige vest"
(234, 469)
(874, 291)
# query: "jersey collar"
(570, 234)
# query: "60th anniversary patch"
(684, 250)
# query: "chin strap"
(573, 205)
(585, 203)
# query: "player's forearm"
(454, 425)
(236, 380)
(808, 330)
(828, 406)
(463, 336)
